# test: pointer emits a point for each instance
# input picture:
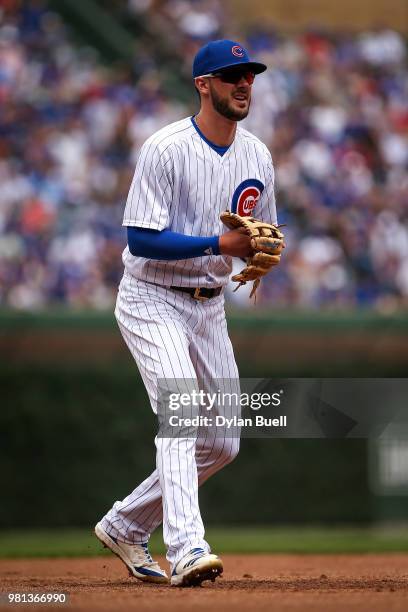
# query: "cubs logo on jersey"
(246, 197)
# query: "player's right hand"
(236, 243)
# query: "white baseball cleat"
(136, 557)
(195, 567)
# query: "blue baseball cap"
(220, 54)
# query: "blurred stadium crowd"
(333, 109)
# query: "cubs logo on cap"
(246, 197)
(238, 51)
(220, 54)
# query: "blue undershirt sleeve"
(168, 245)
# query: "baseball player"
(170, 306)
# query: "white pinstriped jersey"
(183, 184)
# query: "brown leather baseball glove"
(267, 244)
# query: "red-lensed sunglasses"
(233, 76)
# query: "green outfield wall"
(77, 431)
(267, 343)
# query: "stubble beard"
(223, 107)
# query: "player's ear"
(201, 85)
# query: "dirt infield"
(251, 582)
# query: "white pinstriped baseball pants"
(171, 335)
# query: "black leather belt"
(200, 293)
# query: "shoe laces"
(140, 556)
(147, 553)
